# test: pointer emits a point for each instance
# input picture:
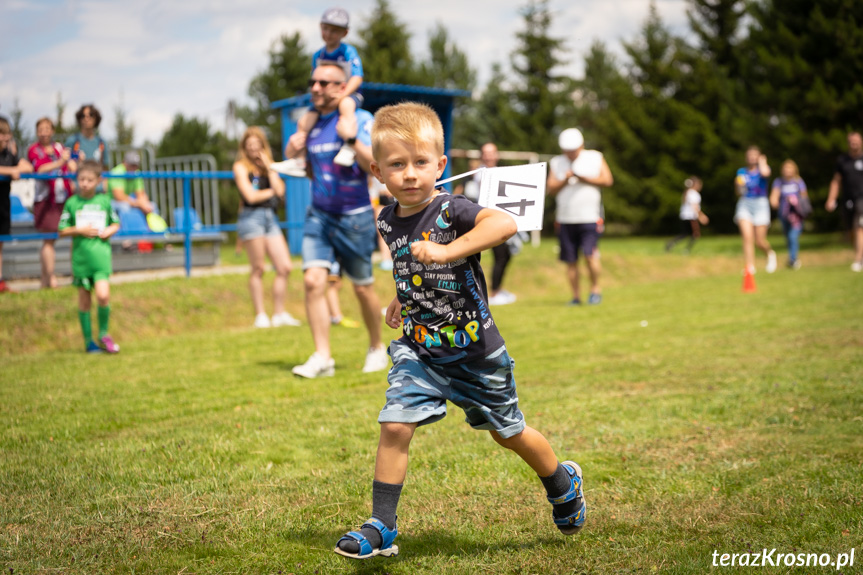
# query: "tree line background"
(786, 75)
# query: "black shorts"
(5, 214)
(852, 213)
(577, 237)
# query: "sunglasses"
(323, 83)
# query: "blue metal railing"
(297, 195)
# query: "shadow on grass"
(436, 543)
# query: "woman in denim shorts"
(261, 192)
(752, 214)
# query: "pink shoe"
(107, 343)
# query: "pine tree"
(286, 75)
(540, 95)
(384, 48)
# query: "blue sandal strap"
(575, 519)
(570, 495)
(387, 535)
(365, 546)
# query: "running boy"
(334, 27)
(90, 220)
(450, 348)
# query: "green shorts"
(89, 282)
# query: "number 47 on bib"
(516, 190)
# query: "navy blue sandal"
(571, 524)
(366, 551)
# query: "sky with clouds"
(163, 57)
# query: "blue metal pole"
(187, 224)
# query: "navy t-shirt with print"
(445, 310)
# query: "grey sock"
(385, 501)
(557, 484)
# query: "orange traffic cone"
(748, 282)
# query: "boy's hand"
(394, 314)
(427, 252)
(105, 234)
(298, 140)
(88, 232)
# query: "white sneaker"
(316, 366)
(292, 167)
(771, 262)
(346, 156)
(376, 360)
(285, 318)
(502, 298)
(261, 320)
(857, 267)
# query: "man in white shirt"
(575, 178)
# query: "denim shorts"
(348, 239)
(755, 210)
(485, 389)
(257, 223)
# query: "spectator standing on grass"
(752, 213)
(691, 216)
(334, 28)
(49, 157)
(848, 178)
(489, 158)
(13, 166)
(575, 178)
(261, 192)
(90, 220)
(791, 200)
(442, 355)
(340, 222)
(87, 144)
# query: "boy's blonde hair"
(91, 166)
(410, 122)
(44, 119)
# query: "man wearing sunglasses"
(340, 223)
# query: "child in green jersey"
(90, 220)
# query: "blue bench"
(20, 214)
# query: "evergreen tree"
(716, 24)
(286, 75)
(124, 130)
(448, 66)
(540, 95)
(805, 75)
(19, 131)
(385, 48)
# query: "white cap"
(570, 139)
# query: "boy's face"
(4, 140)
(409, 171)
(87, 182)
(332, 35)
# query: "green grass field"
(731, 422)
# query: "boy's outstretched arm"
(491, 228)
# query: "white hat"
(570, 139)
